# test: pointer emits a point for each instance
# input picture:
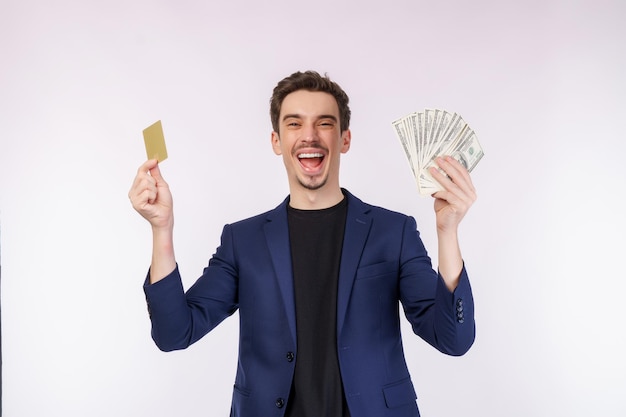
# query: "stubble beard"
(312, 186)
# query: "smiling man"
(310, 138)
(318, 280)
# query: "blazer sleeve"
(180, 319)
(442, 318)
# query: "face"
(310, 139)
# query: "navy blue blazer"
(383, 262)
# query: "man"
(318, 279)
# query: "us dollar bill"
(401, 133)
(432, 133)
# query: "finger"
(457, 175)
(443, 178)
(452, 170)
(457, 204)
(142, 182)
(457, 170)
(456, 194)
(155, 172)
(144, 169)
(143, 194)
(147, 196)
(147, 166)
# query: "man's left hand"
(452, 203)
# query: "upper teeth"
(310, 155)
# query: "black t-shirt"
(316, 238)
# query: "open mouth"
(311, 160)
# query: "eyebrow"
(322, 116)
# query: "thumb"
(155, 173)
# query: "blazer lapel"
(277, 237)
(358, 224)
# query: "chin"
(312, 185)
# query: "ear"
(346, 138)
(276, 143)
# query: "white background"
(541, 82)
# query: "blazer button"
(290, 356)
(460, 317)
(280, 403)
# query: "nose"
(309, 133)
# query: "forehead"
(309, 103)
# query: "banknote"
(431, 133)
(401, 133)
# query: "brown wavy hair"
(310, 81)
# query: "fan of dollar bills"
(432, 133)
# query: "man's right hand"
(151, 197)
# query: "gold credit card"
(155, 142)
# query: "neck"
(305, 199)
